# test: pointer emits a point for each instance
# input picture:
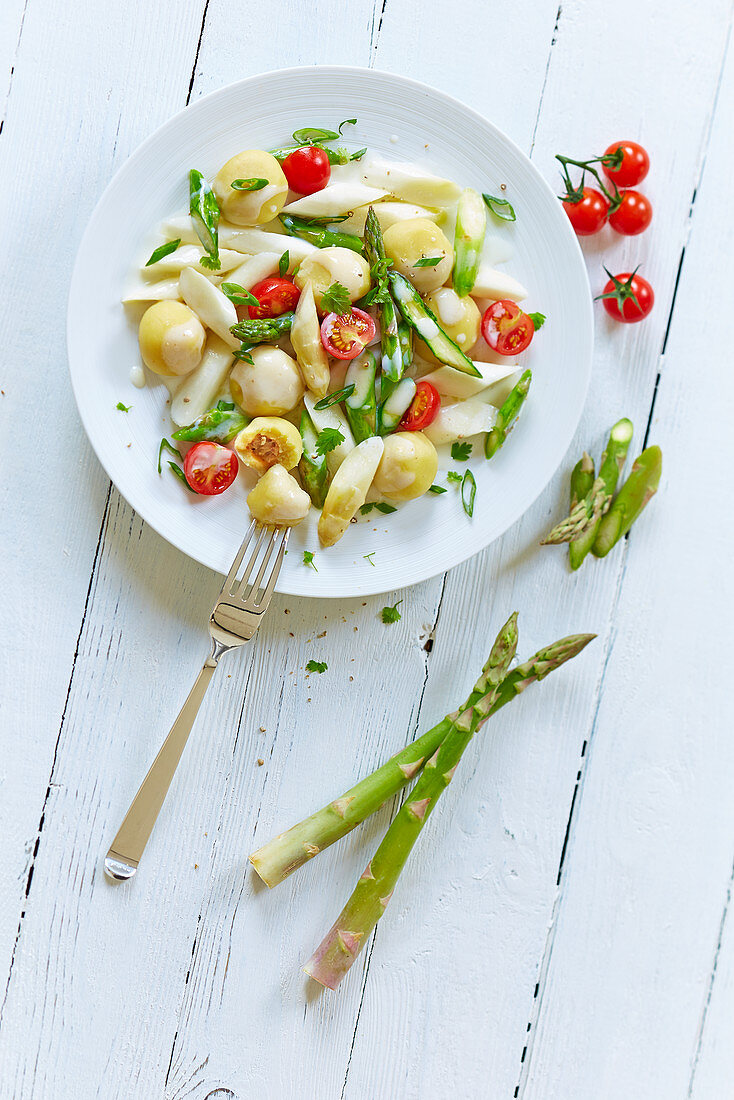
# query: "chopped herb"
(437, 489)
(336, 300)
(327, 440)
(391, 614)
(256, 183)
(316, 666)
(166, 446)
(468, 492)
(380, 292)
(308, 559)
(180, 475)
(428, 261)
(335, 397)
(359, 154)
(369, 557)
(460, 451)
(163, 250)
(284, 263)
(381, 506)
(238, 296)
(309, 134)
(454, 475)
(327, 219)
(501, 208)
(123, 408)
(347, 122)
(538, 320)
(243, 353)
(204, 211)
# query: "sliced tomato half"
(346, 335)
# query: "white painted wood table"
(563, 929)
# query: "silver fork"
(236, 616)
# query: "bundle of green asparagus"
(596, 522)
(438, 753)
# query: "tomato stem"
(575, 194)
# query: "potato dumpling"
(268, 386)
(458, 317)
(278, 499)
(269, 441)
(417, 239)
(171, 338)
(407, 467)
(251, 207)
(334, 265)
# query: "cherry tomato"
(634, 167)
(210, 468)
(506, 328)
(633, 215)
(275, 296)
(307, 169)
(628, 297)
(589, 214)
(346, 335)
(422, 410)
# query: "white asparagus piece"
(463, 419)
(498, 393)
(189, 255)
(454, 383)
(210, 305)
(348, 489)
(306, 341)
(198, 390)
(254, 269)
(250, 240)
(166, 290)
(388, 213)
(497, 284)
(411, 185)
(332, 417)
(335, 198)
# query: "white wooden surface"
(564, 931)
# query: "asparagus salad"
(329, 326)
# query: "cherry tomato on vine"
(633, 215)
(634, 166)
(589, 214)
(307, 169)
(346, 335)
(506, 328)
(210, 468)
(422, 410)
(275, 296)
(627, 297)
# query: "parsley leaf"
(308, 559)
(336, 300)
(501, 208)
(238, 296)
(327, 440)
(538, 320)
(284, 263)
(369, 557)
(163, 250)
(428, 261)
(468, 492)
(453, 475)
(123, 408)
(391, 614)
(254, 184)
(316, 666)
(460, 451)
(335, 397)
(437, 489)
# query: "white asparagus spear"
(348, 489)
(197, 391)
(208, 302)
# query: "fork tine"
(268, 591)
(254, 587)
(227, 586)
(240, 586)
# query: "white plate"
(421, 538)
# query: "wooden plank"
(713, 1061)
(648, 870)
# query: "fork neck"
(218, 648)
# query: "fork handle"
(125, 853)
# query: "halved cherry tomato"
(307, 169)
(422, 410)
(634, 167)
(275, 296)
(633, 215)
(627, 297)
(588, 215)
(210, 468)
(346, 335)
(506, 328)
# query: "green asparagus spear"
(220, 425)
(285, 853)
(322, 238)
(582, 478)
(312, 466)
(360, 406)
(638, 489)
(204, 211)
(471, 223)
(392, 359)
(265, 331)
(416, 313)
(507, 415)
(395, 399)
(405, 336)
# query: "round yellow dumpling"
(407, 468)
(269, 441)
(460, 319)
(251, 207)
(268, 386)
(334, 265)
(171, 338)
(278, 499)
(416, 239)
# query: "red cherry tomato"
(633, 215)
(275, 296)
(634, 166)
(630, 297)
(422, 410)
(307, 169)
(346, 335)
(210, 468)
(506, 328)
(589, 214)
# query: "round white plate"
(421, 538)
